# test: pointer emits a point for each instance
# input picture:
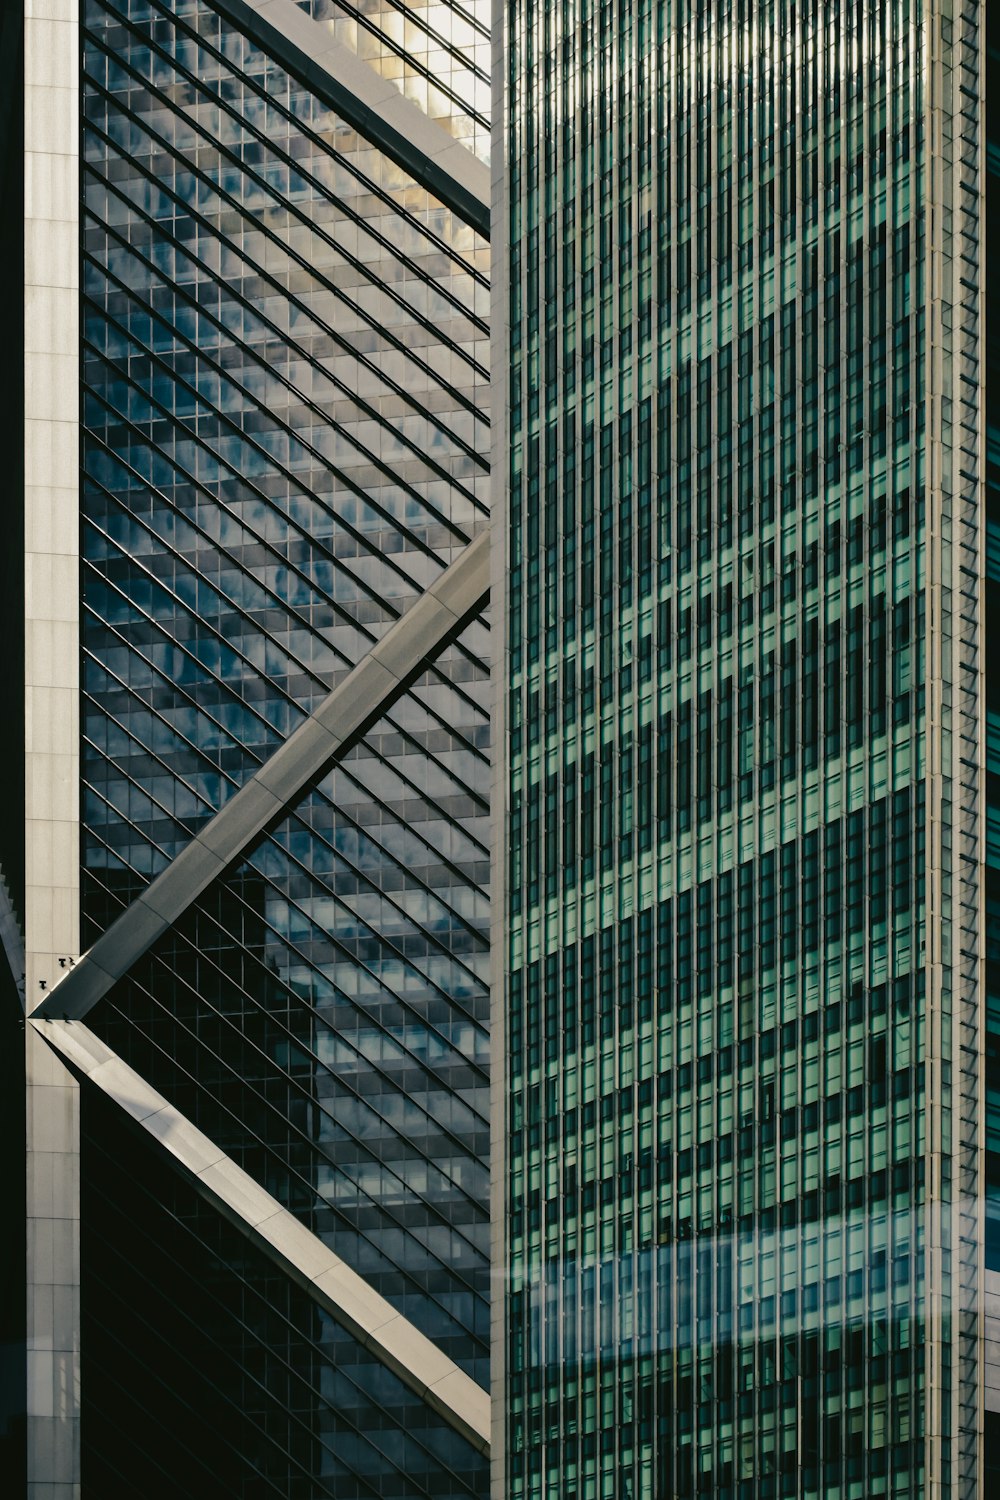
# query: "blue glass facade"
(285, 387)
(283, 447)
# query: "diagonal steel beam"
(370, 689)
(299, 1254)
(369, 102)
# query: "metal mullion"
(294, 1086)
(325, 844)
(445, 860)
(232, 1271)
(261, 676)
(442, 680)
(422, 25)
(317, 229)
(124, 818)
(431, 755)
(290, 991)
(148, 131)
(272, 1350)
(459, 10)
(221, 548)
(232, 743)
(271, 1152)
(274, 1356)
(233, 69)
(259, 673)
(311, 874)
(343, 767)
(179, 645)
(145, 750)
(143, 571)
(159, 228)
(199, 708)
(371, 187)
(406, 734)
(254, 357)
(376, 890)
(216, 500)
(391, 764)
(218, 547)
(409, 58)
(287, 942)
(229, 377)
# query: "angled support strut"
(364, 696)
(299, 1253)
(371, 103)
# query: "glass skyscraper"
(255, 871)
(746, 722)
(564, 1066)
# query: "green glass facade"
(992, 877)
(741, 1175)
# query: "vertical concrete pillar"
(53, 1105)
(52, 850)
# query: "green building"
(740, 1158)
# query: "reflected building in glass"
(746, 1133)
(743, 1233)
(256, 863)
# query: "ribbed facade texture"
(991, 73)
(741, 1140)
(991, 586)
(565, 1067)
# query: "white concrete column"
(52, 849)
(53, 1097)
(51, 470)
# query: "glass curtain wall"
(285, 386)
(718, 1129)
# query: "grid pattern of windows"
(211, 1374)
(718, 1006)
(285, 390)
(436, 52)
(993, 679)
(285, 395)
(322, 1015)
